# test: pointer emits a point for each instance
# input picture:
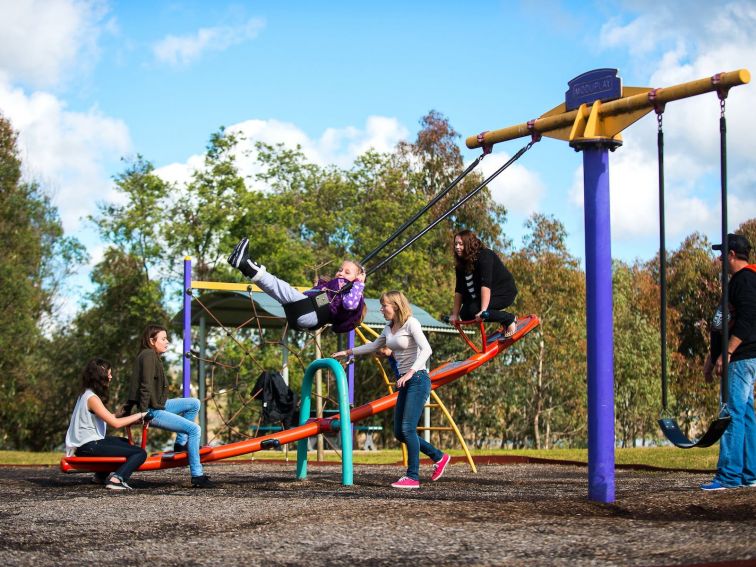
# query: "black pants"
(496, 313)
(115, 447)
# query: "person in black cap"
(737, 448)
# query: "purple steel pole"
(350, 369)
(598, 279)
(187, 325)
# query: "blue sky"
(88, 82)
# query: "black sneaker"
(240, 260)
(115, 482)
(202, 482)
(179, 448)
(240, 251)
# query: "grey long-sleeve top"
(411, 348)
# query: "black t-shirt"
(488, 271)
(742, 292)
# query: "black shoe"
(202, 482)
(179, 448)
(115, 482)
(240, 250)
(240, 260)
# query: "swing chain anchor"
(487, 148)
(535, 135)
(658, 106)
(722, 92)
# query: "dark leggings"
(496, 311)
(115, 447)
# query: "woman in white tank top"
(86, 432)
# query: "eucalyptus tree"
(37, 258)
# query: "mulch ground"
(515, 514)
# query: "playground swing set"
(596, 110)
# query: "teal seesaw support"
(304, 415)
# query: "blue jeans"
(409, 407)
(178, 416)
(737, 448)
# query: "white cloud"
(517, 187)
(678, 46)
(182, 50)
(336, 146)
(68, 152)
(41, 41)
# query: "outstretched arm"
(95, 405)
(368, 348)
(455, 309)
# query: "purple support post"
(350, 369)
(187, 325)
(598, 276)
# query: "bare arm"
(733, 343)
(95, 405)
(374, 346)
(457, 306)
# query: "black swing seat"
(675, 435)
(318, 303)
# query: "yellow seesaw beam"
(605, 120)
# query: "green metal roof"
(235, 308)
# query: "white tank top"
(85, 426)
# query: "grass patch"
(662, 457)
(29, 458)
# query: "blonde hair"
(402, 309)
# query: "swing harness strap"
(318, 303)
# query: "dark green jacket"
(148, 387)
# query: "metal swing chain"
(722, 93)
(422, 211)
(662, 254)
(453, 208)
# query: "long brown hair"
(95, 377)
(472, 246)
(150, 332)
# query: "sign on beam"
(599, 84)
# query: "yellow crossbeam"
(228, 286)
(611, 117)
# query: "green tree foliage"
(748, 229)
(550, 374)
(36, 259)
(693, 293)
(637, 356)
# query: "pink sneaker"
(440, 467)
(406, 482)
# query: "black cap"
(737, 243)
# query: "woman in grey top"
(404, 336)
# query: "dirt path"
(526, 514)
